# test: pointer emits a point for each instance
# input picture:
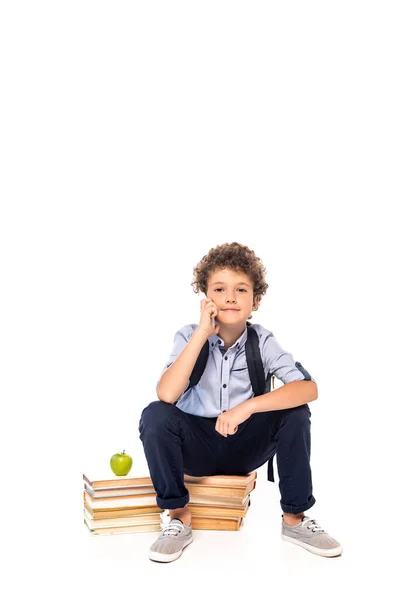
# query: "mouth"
(230, 309)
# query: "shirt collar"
(240, 342)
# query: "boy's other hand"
(229, 421)
(208, 314)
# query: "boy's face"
(229, 289)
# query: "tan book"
(121, 521)
(128, 481)
(118, 502)
(198, 489)
(199, 510)
(196, 510)
(217, 500)
(197, 524)
(233, 524)
(235, 481)
(126, 529)
(133, 499)
(193, 488)
(118, 492)
(104, 513)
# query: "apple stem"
(123, 451)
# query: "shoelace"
(172, 529)
(311, 524)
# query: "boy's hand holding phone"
(208, 315)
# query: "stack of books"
(219, 501)
(120, 505)
(128, 504)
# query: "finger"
(218, 427)
(208, 304)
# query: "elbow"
(312, 390)
(315, 391)
(166, 401)
(163, 397)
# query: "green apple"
(121, 463)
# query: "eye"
(240, 289)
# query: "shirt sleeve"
(280, 363)
(181, 338)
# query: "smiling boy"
(218, 425)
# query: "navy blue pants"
(176, 442)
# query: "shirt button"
(224, 385)
(226, 358)
(219, 342)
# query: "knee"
(300, 415)
(155, 414)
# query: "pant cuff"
(172, 502)
(295, 510)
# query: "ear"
(256, 302)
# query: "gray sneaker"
(311, 537)
(174, 538)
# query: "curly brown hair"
(233, 256)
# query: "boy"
(218, 426)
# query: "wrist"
(200, 334)
(251, 406)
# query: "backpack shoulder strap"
(260, 383)
(199, 366)
(254, 362)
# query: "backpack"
(260, 383)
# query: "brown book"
(126, 529)
(205, 510)
(118, 492)
(220, 495)
(197, 524)
(233, 524)
(211, 490)
(132, 495)
(217, 500)
(235, 481)
(127, 481)
(196, 510)
(210, 522)
(121, 521)
(116, 481)
(104, 513)
(120, 502)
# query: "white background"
(135, 136)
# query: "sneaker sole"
(160, 557)
(328, 552)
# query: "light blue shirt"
(225, 382)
